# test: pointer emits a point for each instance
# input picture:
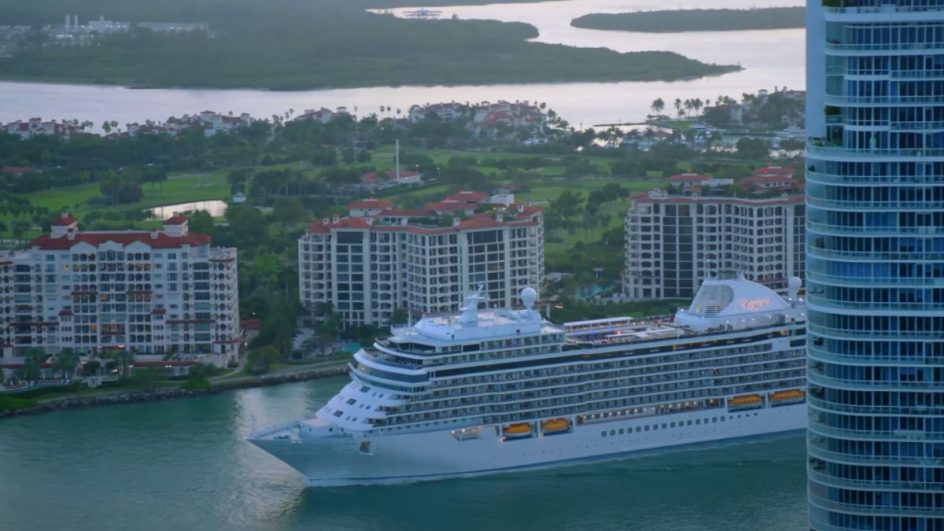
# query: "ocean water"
(185, 464)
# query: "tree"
(32, 364)
(123, 358)
(658, 105)
(753, 148)
(290, 211)
(65, 361)
(91, 368)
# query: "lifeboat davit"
(555, 426)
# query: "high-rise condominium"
(875, 263)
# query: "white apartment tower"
(674, 242)
(155, 292)
(379, 259)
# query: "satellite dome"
(794, 283)
(528, 296)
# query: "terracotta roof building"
(379, 259)
(153, 292)
(673, 242)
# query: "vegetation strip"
(318, 45)
(695, 20)
(11, 406)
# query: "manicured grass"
(13, 403)
(181, 188)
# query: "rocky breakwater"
(137, 396)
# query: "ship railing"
(644, 394)
(272, 430)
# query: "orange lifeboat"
(790, 396)
(518, 431)
(746, 402)
(555, 426)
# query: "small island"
(300, 46)
(695, 20)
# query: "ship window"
(663, 425)
(603, 433)
(647, 427)
(672, 425)
(722, 419)
(697, 421)
(655, 427)
(364, 389)
(351, 401)
(689, 422)
(612, 433)
(621, 431)
(338, 413)
(714, 419)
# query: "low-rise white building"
(155, 293)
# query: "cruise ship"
(487, 391)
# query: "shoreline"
(156, 395)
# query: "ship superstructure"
(498, 390)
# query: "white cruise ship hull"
(330, 460)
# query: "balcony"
(877, 509)
(835, 99)
(859, 206)
(825, 228)
(833, 48)
(820, 177)
(845, 153)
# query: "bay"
(771, 58)
(185, 464)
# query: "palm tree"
(658, 105)
(66, 361)
(124, 358)
(678, 106)
(32, 361)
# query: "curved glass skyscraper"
(875, 264)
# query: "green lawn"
(179, 188)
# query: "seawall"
(132, 397)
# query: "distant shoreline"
(136, 397)
(688, 20)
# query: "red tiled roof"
(18, 170)
(176, 219)
(317, 227)
(467, 196)
(449, 205)
(479, 223)
(409, 213)
(161, 241)
(65, 219)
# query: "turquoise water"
(184, 464)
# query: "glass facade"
(875, 264)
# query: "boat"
(790, 396)
(555, 426)
(517, 431)
(444, 397)
(745, 402)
